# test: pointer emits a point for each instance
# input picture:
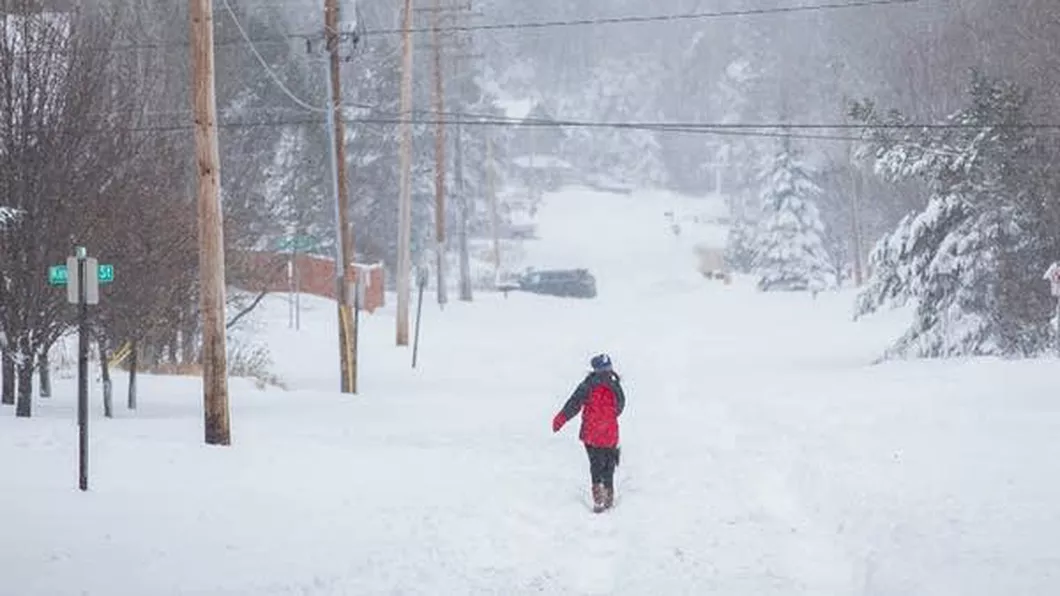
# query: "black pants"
(602, 462)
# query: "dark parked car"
(572, 283)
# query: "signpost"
(82, 289)
(422, 275)
(295, 244)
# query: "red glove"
(558, 422)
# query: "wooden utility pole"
(404, 272)
(211, 230)
(465, 215)
(344, 233)
(466, 204)
(439, 154)
(491, 190)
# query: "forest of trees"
(892, 142)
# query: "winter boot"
(599, 498)
(609, 498)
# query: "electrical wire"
(640, 19)
(478, 119)
(265, 65)
(590, 21)
(695, 15)
(789, 131)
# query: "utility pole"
(211, 229)
(344, 233)
(491, 190)
(405, 193)
(439, 100)
(439, 154)
(465, 203)
(465, 214)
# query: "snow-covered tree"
(971, 261)
(740, 246)
(790, 251)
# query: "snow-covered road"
(762, 454)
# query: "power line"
(764, 131)
(589, 21)
(544, 24)
(759, 134)
(272, 74)
(787, 125)
(480, 119)
(639, 19)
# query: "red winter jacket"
(600, 399)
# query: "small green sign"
(59, 276)
(296, 243)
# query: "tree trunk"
(108, 404)
(7, 369)
(133, 362)
(45, 375)
(188, 353)
(148, 358)
(24, 407)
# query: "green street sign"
(297, 243)
(59, 275)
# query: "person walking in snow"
(600, 400)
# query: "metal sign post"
(82, 296)
(82, 289)
(422, 275)
(293, 245)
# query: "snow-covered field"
(762, 453)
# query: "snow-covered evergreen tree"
(740, 246)
(790, 251)
(970, 261)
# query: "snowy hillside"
(762, 452)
